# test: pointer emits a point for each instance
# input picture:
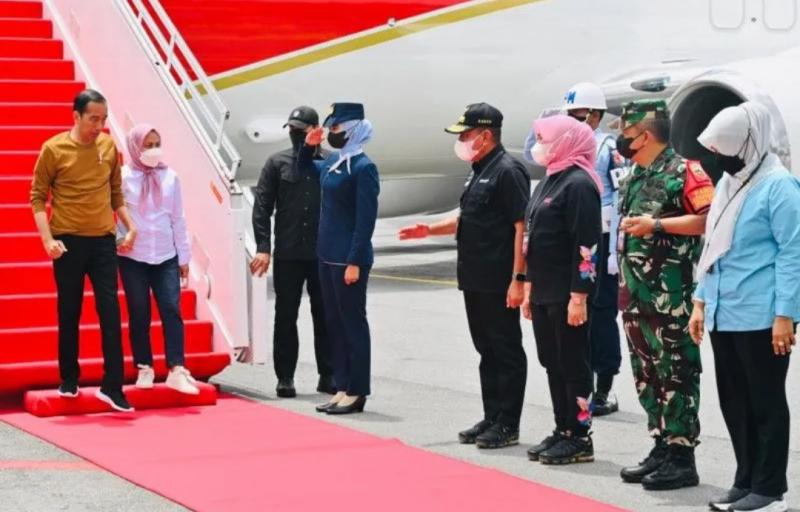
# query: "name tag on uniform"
(484, 180)
(617, 175)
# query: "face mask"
(337, 140)
(624, 146)
(465, 151)
(730, 164)
(151, 157)
(298, 137)
(541, 154)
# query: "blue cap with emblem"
(342, 112)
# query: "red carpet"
(46, 403)
(245, 456)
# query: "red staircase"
(36, 90)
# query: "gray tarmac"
(425, 389)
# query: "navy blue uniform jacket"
(348, 211)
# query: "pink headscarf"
(572, 143)
(150, 184)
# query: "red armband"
(698, 190)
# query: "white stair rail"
(204, 106)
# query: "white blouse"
(161, 230)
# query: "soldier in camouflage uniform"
(663, 203)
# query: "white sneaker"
(188, 375)
(146, 377)
(179, 381)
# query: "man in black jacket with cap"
(292, 190)
(489, 230)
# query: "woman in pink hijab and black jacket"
(158, 260)
(562, 246)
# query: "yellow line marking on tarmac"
(469, 11)
(438, 282)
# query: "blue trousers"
(164, 279)
(348, 330)
(604, 332)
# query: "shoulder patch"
(696, 169)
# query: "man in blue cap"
(292, 191)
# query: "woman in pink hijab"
(158, 260)
(562, 244)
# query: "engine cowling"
(768, 81)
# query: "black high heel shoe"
(357, 406)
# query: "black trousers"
(563, 350)
(97, 258)
(604, 331)
(497, 337)
(288, 279)
(751, 382)
(348, 327)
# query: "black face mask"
(298, 137)
(624, 146)
(337, 140)
(730, 164)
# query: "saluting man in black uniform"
(287, 186)
(489, 231)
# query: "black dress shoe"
(468, 436)
(656, 457)
(677, 471)
(286, 389)
(357, 406)
(325, 407)
(497, 436)
(325, 385)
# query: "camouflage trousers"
(666, 369)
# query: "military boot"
(656, 457)
(678, 470)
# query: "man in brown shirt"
(79, 171)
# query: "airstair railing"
(186, 78)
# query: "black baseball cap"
(302, 117)
(477, 115)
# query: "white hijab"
(745, 131)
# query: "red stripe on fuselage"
(227, 34)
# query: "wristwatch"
(520, 276)
(658, 227)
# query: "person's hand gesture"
(696, 322)
(783, 336)
(415, 231)
(127, 243)
(55, 248)
(314, 137)
(259, 264)
(351, 274)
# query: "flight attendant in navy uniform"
(350, 187)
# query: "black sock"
(604, 383)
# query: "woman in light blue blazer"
(748, 298)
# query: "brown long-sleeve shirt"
(85, 183)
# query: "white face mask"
(540, 153)
(151, 157)
(465, 151)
